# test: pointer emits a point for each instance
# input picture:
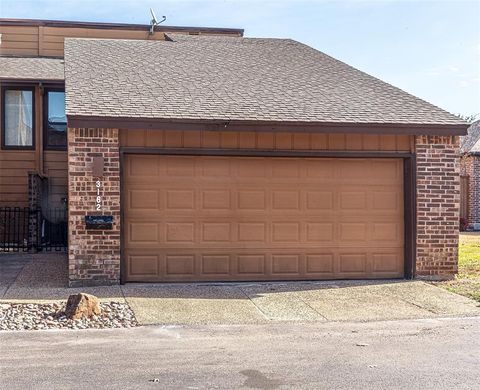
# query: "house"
(33, 151)
(470, 177)
(206, 156)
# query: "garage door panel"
(286, 168)
(251, 200)
(353, 263)
(179, 232)
(180, 265)
(386, 200)
(239, 218)
(143, 265)
(276, 234)
(215, 167)
(252, 232)
(353, 231)
(319, 231)
(337, 264)
(319, 264)
(319, 200)
(142, 166)
(315, 171)
(286, 264)
(179, 166)
(143, 199)
(144, 232)
(250, 168)
(386, 262)
(215, 264)
(285, 232)
(219, 232)
(179, 199)
(216, 199)
(248, 265)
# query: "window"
(55, 121)
(18, 118)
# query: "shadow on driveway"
(43, 277)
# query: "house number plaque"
(98, 222)
(98, 198)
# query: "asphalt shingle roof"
(232, 79)
(471, 142)
(31, 68)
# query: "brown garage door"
(197, 218)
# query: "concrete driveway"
(410, 354)
(43, 278)
(293, 302)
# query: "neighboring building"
(218, 158)
(470, 176)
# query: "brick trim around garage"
(94, 255)
(438, 205)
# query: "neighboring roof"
(471, 142)
(31, 68)
(236, 80)
(118, 26)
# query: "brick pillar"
(438, 206)
(93, 255)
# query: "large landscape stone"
(82, 305)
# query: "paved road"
(421, 354)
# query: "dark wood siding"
(264, 140)
(14, 168)
(48, 41)
(16, 164)
(56, 169)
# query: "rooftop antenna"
(154, 22)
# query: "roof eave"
(81, 121)
(117, 26)
(11, 80)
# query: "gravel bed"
(32, 316)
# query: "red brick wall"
(438, 205)
(94, 255)
(470, 166)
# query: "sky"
(430, 48)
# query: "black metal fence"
(14, 229)
(53, 229)
(24, 229)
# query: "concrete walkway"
(11, 264)
(43, 278)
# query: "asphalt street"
(414, 354)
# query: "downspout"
(40, 156)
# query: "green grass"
(467, 282)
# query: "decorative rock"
(82, 305)
(36, 317)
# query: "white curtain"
(18, 118)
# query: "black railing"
(14, 229)
(53, 229)
(24, 229)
